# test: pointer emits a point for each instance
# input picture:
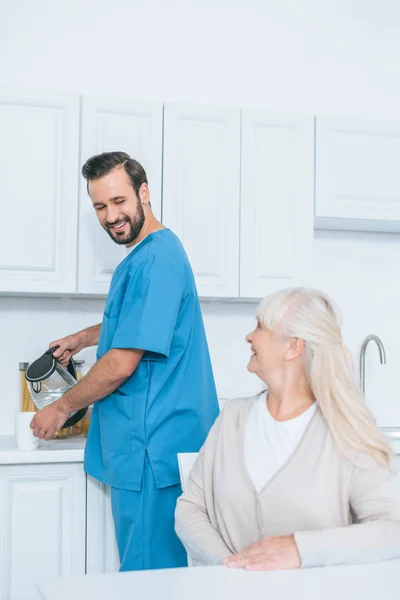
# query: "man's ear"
(144, 194)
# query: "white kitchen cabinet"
(201, 189)
(39, 154)
(42, 526)
(277, 200)
(110, 124)
(101, 546)
(357, 174)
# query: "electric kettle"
(48, 381)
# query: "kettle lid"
(45, 365)
(42, 367)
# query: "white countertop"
(54, 451)
(358, 582)
(72, 450)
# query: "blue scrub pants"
(144, 526)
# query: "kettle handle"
(52, 350)
(70, 366)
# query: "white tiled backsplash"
(366, 288)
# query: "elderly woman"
(299, 475)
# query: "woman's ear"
(294, 349)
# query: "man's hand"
(269, 554)
(72, 344)
(69, 345)
(49, 420)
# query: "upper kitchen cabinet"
(111, 124)
(277, 200)
(39, 159)
(357, 174)
(201, 189)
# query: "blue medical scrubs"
(167, 406)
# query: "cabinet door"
(201, 188)
(39, 152)
(277, 197)
(357, 174)
(42, 526)
(101, 546)
(114, 124)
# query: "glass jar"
(78, 428)
(26, 402)
(85, 421)
(79, 368)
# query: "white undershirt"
(268, 443)
(129, 250)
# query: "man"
(152, 386)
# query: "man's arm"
(109, 372)
(106, 375)
(91, 335)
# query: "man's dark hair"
(101, 164)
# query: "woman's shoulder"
(237, 407)
(231, 421)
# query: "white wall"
(332, 57)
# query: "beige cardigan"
(313, 496)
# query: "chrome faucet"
(382, 356)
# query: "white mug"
(23, 432)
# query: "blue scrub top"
(170, 402)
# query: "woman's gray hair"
(311, 316)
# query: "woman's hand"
(269, 554)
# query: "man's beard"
(135, 227)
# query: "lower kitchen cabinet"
(102, 552)
(42, 526)
(54, 521)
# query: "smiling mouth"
(118, 226)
